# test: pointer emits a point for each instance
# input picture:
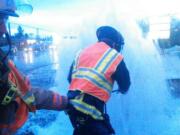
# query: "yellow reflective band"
(76, 61)
(102, 58)
(28, 98)
(10, 94)
(106, 60)
(87, 109)
(93, 76)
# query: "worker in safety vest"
(17, 97)
(91, 78)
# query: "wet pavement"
(129, 114)
(40, 68)
(47, 69)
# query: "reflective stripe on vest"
(76, 60)
(109, 56)
(22, 86)
(93, 76)
(28, 98)
(93, 69)
(86, 108)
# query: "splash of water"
(144, 109)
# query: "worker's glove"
(117, 91)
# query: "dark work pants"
(92, 128)
(85, 125)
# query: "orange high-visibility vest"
(93, 69)
(23, 109)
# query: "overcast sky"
(61, 14)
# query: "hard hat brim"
(108, 32)
(8, 13)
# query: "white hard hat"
(8, 7)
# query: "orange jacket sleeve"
(47, 99)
